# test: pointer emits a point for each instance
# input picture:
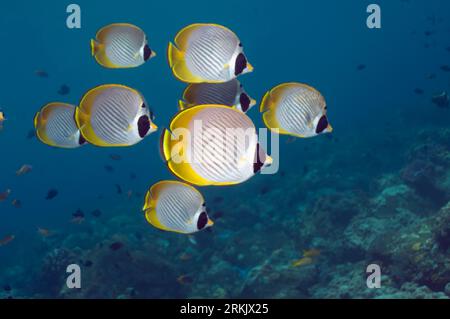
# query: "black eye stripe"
(322, 125)
(147, 52)
(241, 64)
(259, 160)
(244, 100)
(143, 125)
(202, 221)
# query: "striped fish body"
(295, 109)
(55, 126)
(207, 53)
(177, 207)
(211, 145)
(114, 116)
(229, 93)
(121, 45)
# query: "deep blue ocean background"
(376, 115)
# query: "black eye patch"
(147, 52)
(259, 160)
(81, 140)
(202, 221)
(245, 102)
(143, 125)
(322, 125)
(241, 64)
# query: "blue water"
(373, 112)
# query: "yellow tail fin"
(95, 47)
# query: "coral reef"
(301, 234)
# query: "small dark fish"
(64, 90)
(118, 189)
(51, 194)
(116, 246)
(7, 288)
(445, 68)
(4, 195)
(428, 33)
(78, 214)
(441, 100)
(88, 263)
(31, 134)
(418, 91)
(361, 67)
(448, 49)
(17, 203)
(218, 200)
(138, 194)
(41, 73)
(96, 213)
(431, 76)
(132, 176)
(115, 157)
(109, 168)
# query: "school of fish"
(210, 141)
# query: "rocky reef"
(309, 232)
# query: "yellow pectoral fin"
(83, 122)
(182, 73)
(179, 67)
(152, 218)
(182, 105)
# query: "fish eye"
(143, 105)
(260, 158)
(240, 44)
(202, 221)
(204, 205)
(245, 102)
(322, 125)
(147, 52)
(143, 125)
(241, 64)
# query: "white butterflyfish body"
(114, 115)
(213, 145)
(121, 45)
(295, 109)
(229, 93)
(177, 207)
(55, 126)
(207, 53)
